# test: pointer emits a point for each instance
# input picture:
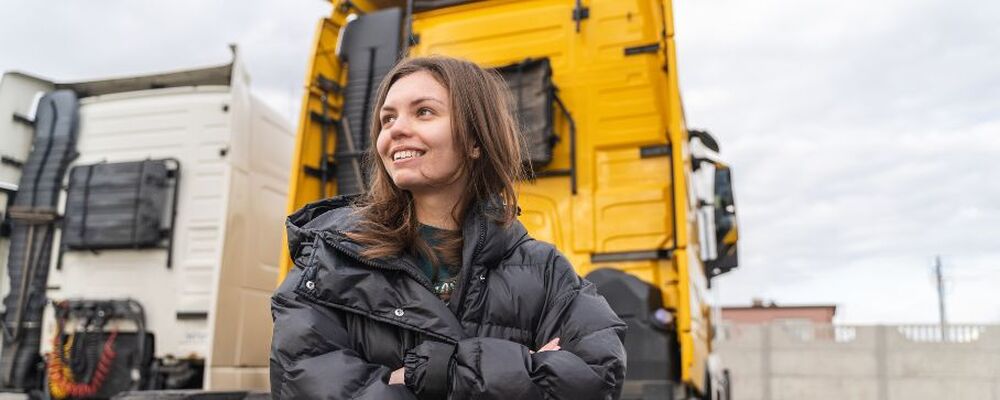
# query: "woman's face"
(416, 143)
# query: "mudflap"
(653, 353)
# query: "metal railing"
(806, 332)
(933, 333)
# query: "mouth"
(406, 155)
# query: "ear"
(475, 152)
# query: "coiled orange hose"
(61, 381)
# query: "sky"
(864, 136)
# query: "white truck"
(141, 234)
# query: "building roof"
(759, 304)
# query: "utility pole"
(940, 290)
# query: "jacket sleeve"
(590, 364)
(311, 357)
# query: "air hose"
(62, 383)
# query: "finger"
(396, 378)
(551, 345)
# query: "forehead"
(413, 86)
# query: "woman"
(427, 286)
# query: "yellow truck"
(640, 204)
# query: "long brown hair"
(480, 118)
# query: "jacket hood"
(484, 241)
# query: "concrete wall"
(818, 362)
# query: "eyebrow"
(414, 102)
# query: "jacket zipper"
(389, 321)
(422, 279)
(465, 273)
(357, 257)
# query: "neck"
(435, 208)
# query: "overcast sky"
(864, 135)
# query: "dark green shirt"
(430, 235)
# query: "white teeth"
(404, 154)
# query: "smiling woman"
(416, 146)
(426, 138)
(427, 286)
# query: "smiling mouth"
(406, 154)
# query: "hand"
(397, 377)
(550, 346)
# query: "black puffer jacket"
(343, 323)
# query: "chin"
(406, 183)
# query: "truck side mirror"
(726, 232)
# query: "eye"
(388, 118)
(424, 111)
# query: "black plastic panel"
(653, 351)
(530, 85)
(116, 205)
(371, 47)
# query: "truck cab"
(640, 204)
(142, 227)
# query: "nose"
(400, 128)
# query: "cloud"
(863, 135)
(864, 139)
(85, 40)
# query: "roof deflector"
(215, 76)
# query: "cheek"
(382, 144)
(443, 138)
(447, 163)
